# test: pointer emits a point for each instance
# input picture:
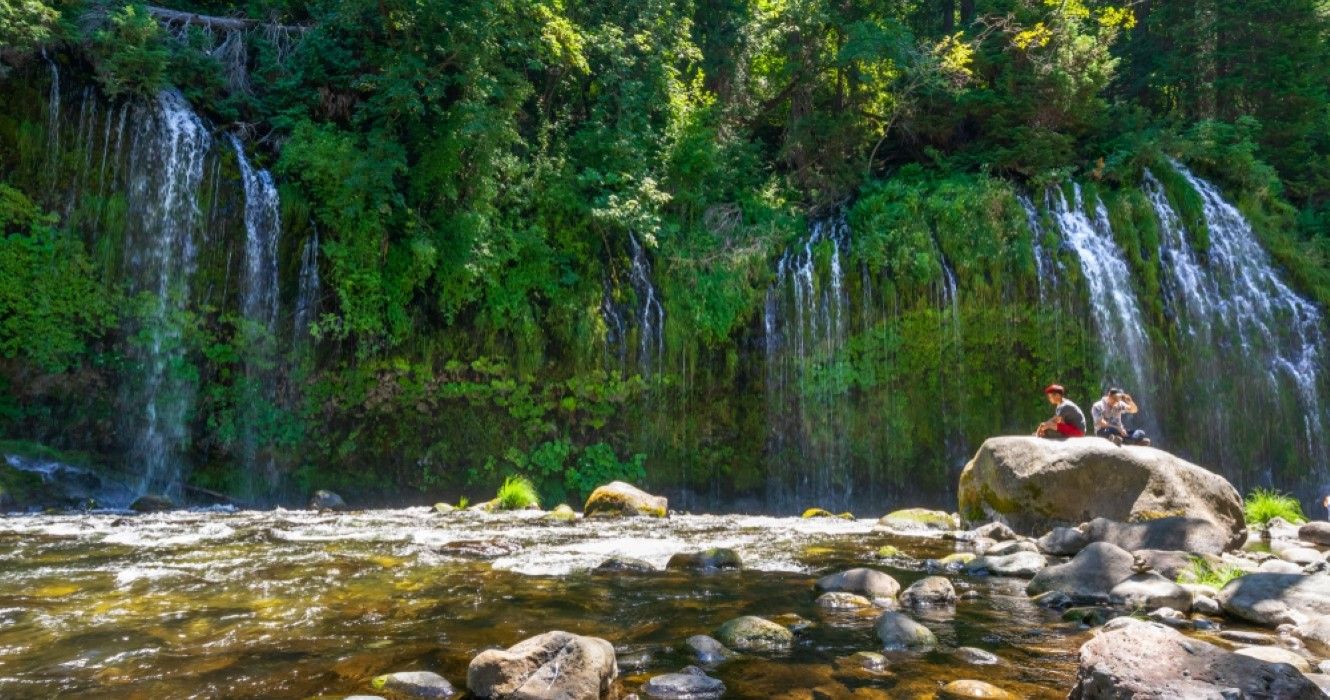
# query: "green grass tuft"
(1262, 505)
(517, 493)
(463, 502)
(1202, 571)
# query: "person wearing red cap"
(1067, 422)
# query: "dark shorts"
(1131, 437)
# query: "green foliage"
(517, 493)
(1262, 505)
(26, 23)
(131, 54)
(463, 502)
(1201, 571)
(598, 466)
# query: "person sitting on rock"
(1107, 414)
(1067, 422)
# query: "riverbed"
(297, 604)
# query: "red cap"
(1055, 389)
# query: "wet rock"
(707, 560)
(910, 519)
(1276, 655)
(1315, 634)
(551, 665)
(1134, 659)
(840, 600)
(324, 500)
(793, 622)
(618, 564)
(755, 634)
(1020, 564)
(1301, 556)
(1316, 532)
(929, 591)
(1010, 547)
(618, 499)
(479, 549)
(869, 582)
(1089, 576)
(692, 683)
(975, 656)
(1034, 485)
(888, 551)
(1149, 591)
(1248, 637)
(898, 631)
(1194, 535)
(973, 690)
(1272, 599)
(708, 650)
(415, 684)
(151, 503)
(1062, 541)
(996, 531)
(870, 661)
(1055, 600)
(956, 560)
(821, 513)
(1089, 616)
(562, 513)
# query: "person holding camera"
(1107, 414)
(1067, 422)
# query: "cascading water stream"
(307, 294)
(805, 323)
(263, 227)
(650, 312)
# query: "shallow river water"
(294, 604)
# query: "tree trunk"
(948, 16)
(967, 13)
(229, 24)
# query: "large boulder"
(1273, 599)
(618, 499)
(706, 560)
(326, 500)
(1149, 591)
(869, 582)
(151, 503)
(1134, 660)
(1194, 535)
(1316, 532)
(1034, 485)
(1020, 564)
(755, 634)
(913, 519)
(552, 665)
(929, 591)
(1089, 577)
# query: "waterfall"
(1126, 350)
(648, 314)
(805, 318)
(166, 158)
(1047, 270)
(263, 227)
(1248, 342)
(307, 295)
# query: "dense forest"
(753, 253)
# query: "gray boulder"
(1276, 655)
(708, 650)
(1134, 660)
(1316, 532)
(1194, 535)
(840, 600)
(1149, 591)
(1034, 485)
(755, 634)
(1089, 577)
(1278, 566)
(1167, 563)
(929, 591)
(1273, 599)
(869, 582)
(692, 683)
(1062, 541)
(624, 565)
(1020, 564)
(1302, 556)
(897, 631)
(323, 500)
(551, 665)
(996, 531)
(618, 499)
(707, 560)
(1010, 547)
(1315, 634)
(415, 684)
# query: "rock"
(929, 591)
(973, 690)
(1062, 541)
(562, 513)
(708, 650)
(870, 661)
(1278, 566)
(624, 565)
(981, 545)
(1089, 576)
(888, 551)
(793, 622)
(1131, 659)
(151, 503)
(1192, 535)
(1316, 532)
(1206, 605)
(1315, 635)
(1089, 616)
(1167, 563)
(957, 558)
(415, 684)
(1034, 485)
(868, 582)
(444, 508)
(1052, 599)
(919, 519)
(480, 549)
(1272, 599)
(1321, 680)
(1277, 528)
(997, 531)
(840, 600)
(1020, 564)
(326, 500)
(821, 513)
(897, 631)
(1170, 617)
(364, 697)
(1149, 591)
(692, 683)
(978, 657)
(551, 665)
(617, 499)
(1249, 637)
(1003, 549)
(755, 634)
(1301, 556)
(1276, 655)
(707, 560)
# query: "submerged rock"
(869, 582)
(1273, 599)
(977, 657)
(415, 684)
(618, 499)
(1089, 576)
(823, 513)
(897, 631)
(840, 600)
(708, 650)
(919, 519)
(151, 503)
(551, 665)
(706, 560)
(1134, 659)
(326, 500)
(756, 634)
(973, 690)
(692, 683)
(1034, 485)
(929, 591)
(624, 564)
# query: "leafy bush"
(598, 465)
(1203, 572)
(1262, 505)
(517, 493)
(132, 55)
